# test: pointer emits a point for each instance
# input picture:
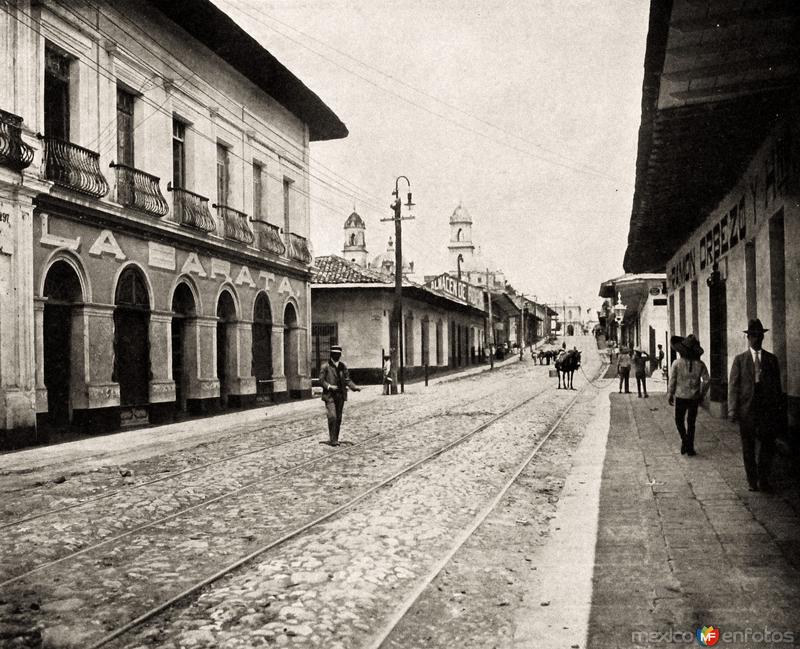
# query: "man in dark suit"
(335, 380)
(755, 398)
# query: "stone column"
(242, 383)
(162, 386)
(278, 375)
(93, 358)
(203, 331)
(41, 389)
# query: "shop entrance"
(183, 308)
(290, 349)
(62, 289)
(718, 343)
(132, 346)
(262, 345)
(226, 317)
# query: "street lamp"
(619, 314)
(396, 329)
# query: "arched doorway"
(262, 345)
(62, 288)
(290, 347)
(570, 330)
(132, 345)
(226, 317)
(183, 307)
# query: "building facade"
(443, 321)
(721, 123)
(155, 220)
(644, 323)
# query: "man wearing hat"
(335, 380)
(688, 384)
(754, 398)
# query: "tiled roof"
(332, 269)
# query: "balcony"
(236, 224)
(191, 209)
(139, 190)
(74, 167)
(299, 249)
(14, 153)
(269, 239)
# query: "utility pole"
(522, 329)
(396, 328)
(491, 324)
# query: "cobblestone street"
(94, 547)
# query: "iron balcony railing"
(269, 238)
(73, 166)
(14, 152)
(236, 224)
(298, 248)
(139, 190)
(191, 209)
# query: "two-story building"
(154, 182)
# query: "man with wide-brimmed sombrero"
(688, 384)
(755, 398)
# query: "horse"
(566, 364)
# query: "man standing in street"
(335, 380)
(755, 399)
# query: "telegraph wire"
(390, 77)
(101, 70)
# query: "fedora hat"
(688, 346)
(754, 327)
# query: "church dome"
(460, 215)
(355, 221)
(384, 262)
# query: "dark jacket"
(339, 376)
(742, 383)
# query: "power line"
(400, 81)
(434, 113)
(102, 71)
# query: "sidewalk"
(682, 543)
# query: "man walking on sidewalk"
(754, 398)
(335, 380)
(688, 384)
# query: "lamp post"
(619, 314)
(396, 342)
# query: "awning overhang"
(718, 76)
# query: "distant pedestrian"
(387, 373)
(335, 380)
(755, 398)
(624, 369)
(660, 357)
(688, 384)
(640, 358)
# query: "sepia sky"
(525, 112)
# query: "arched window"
(459, 235)
(353, 239)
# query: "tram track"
(260, 480)
(311, 432)
(195, 588)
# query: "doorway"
(132, 346)
(290, 349)
(262, 345)
(718, 339)
(62, 289)
(183, 308)
(226, 317)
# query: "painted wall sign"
(457, 288)
(165, 257)
(757, 193)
